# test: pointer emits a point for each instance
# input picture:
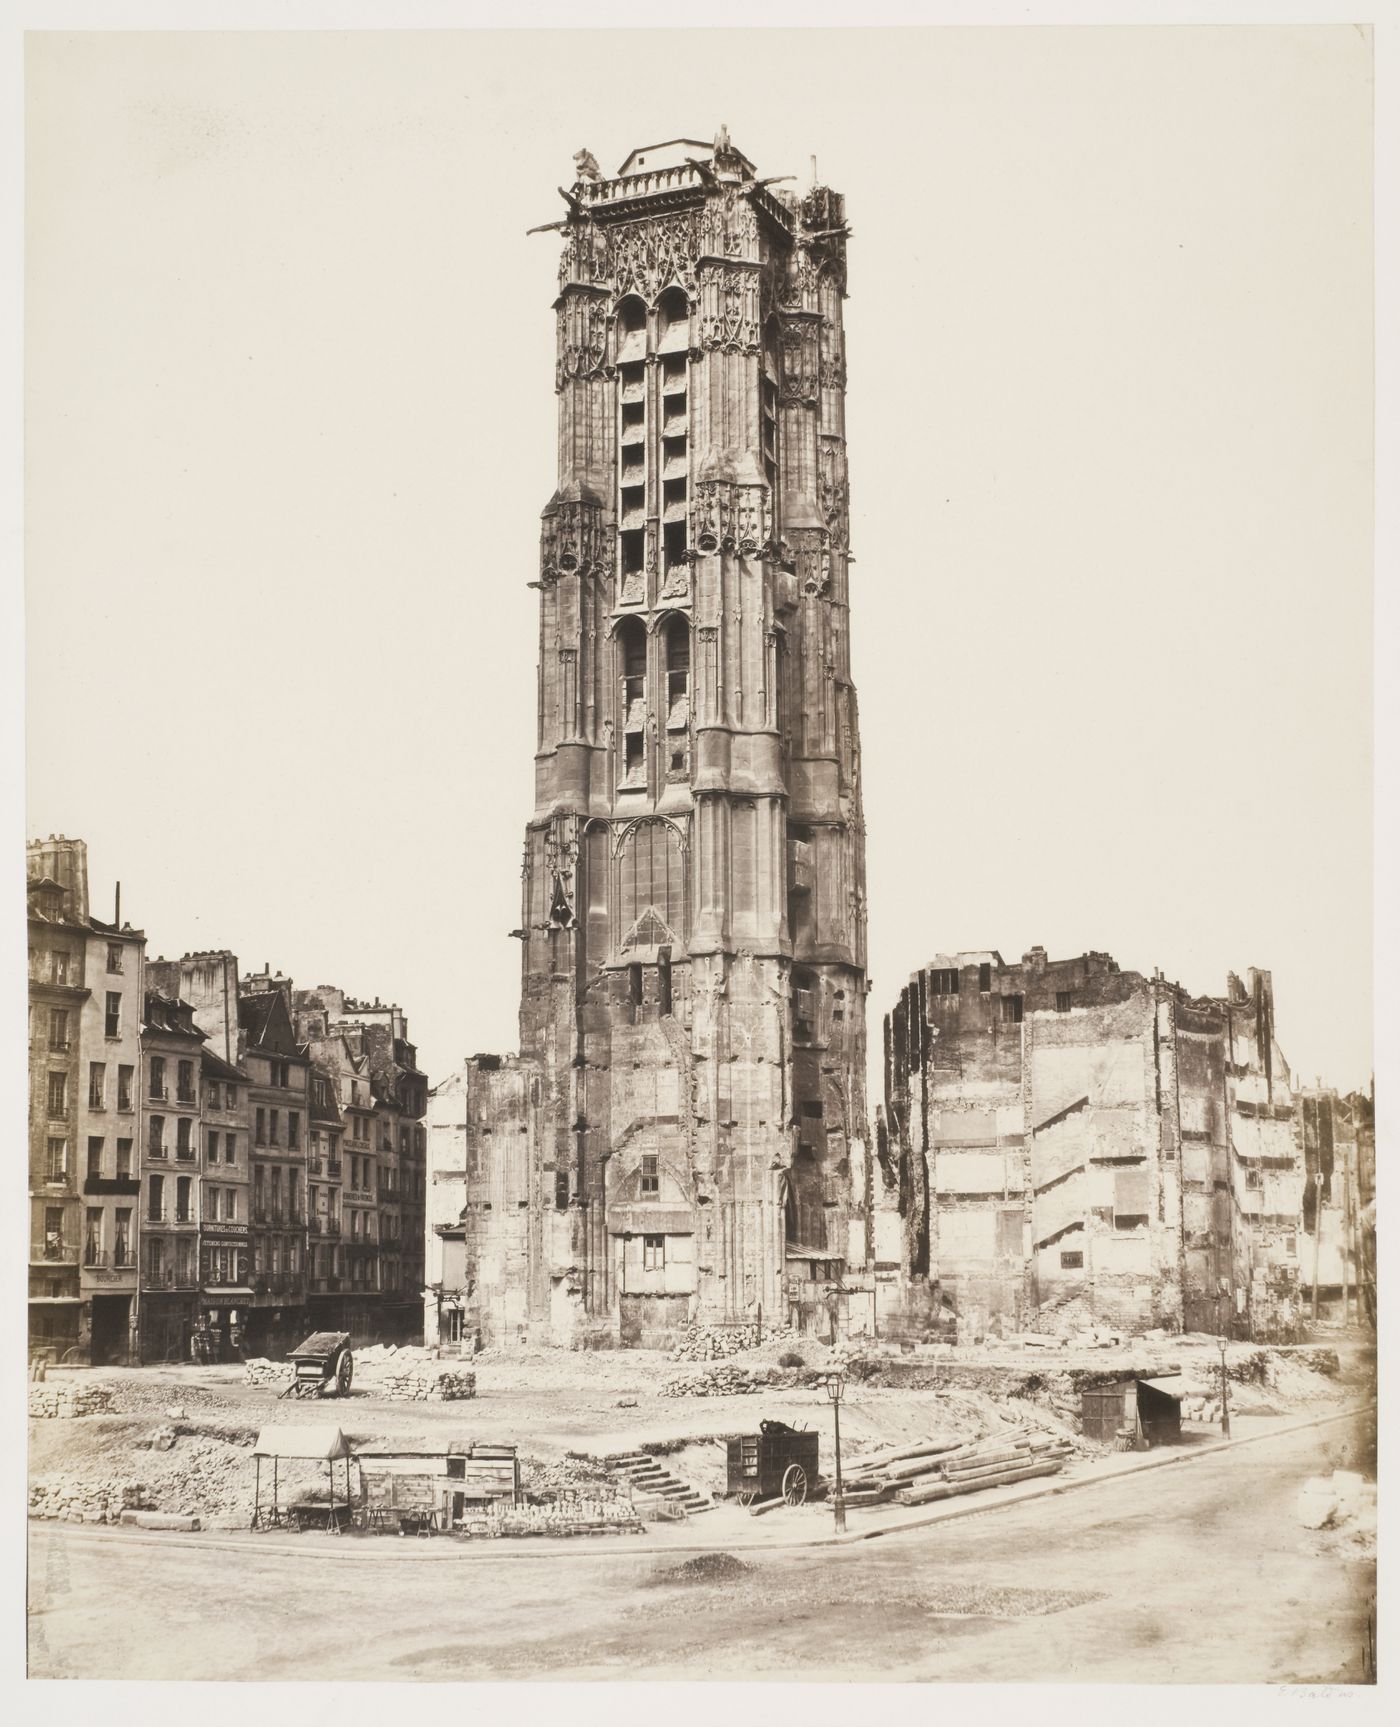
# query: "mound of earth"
(706, 1568)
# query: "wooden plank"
(953, 1489)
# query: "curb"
(1214, 1449)
(450, 1551)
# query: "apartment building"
(85, 982)
(172, 1123)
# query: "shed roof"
(1174, 1385)
(318, 1442)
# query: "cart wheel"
(344, 1372)
(794, 1484)
(746, 1496)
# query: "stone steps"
(644, 1474)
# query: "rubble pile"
(549, 1477)
(133, 1395)
(1344, 1505)
(1302, 1375)
(373, 1358)
(726, 1380)
(197, 1477)
(411, 1373)
(49, 1402)
(719, 1342)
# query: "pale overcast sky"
(290, 424)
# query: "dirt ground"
(1193, 1574)
(553, 1403)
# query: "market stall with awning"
(319, 1443)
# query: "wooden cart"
(777, 1461)
(324, 1366)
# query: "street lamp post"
(1224, 1377)
(835, 1385)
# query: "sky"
(289, 425)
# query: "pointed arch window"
(653, 464)
(673, 347)
(631, 337)
(676, 640)
(768, 402)
(632, 704)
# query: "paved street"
(1197, 1574)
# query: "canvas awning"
(319, 1443)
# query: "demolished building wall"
(1064, 1131)
(1336, 1143)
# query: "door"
(110, 1317)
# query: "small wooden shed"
(1147, 1409)
(401, 1487)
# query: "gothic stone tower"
(693, 1005)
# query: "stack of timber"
(941, 1468)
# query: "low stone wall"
(425, 1382)
(49, 1402)
(261, 1371)
(86, 1502)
